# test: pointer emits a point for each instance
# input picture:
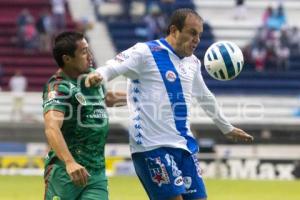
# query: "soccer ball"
(223, 60)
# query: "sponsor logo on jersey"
(158, 171)
(170, 76)
(80, 98)
(98, 114)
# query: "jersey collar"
(165, 43)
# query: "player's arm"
(127, 63)
(53, 123)
(115, 99)
(209, 104)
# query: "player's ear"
(66, 58)
(173, 30)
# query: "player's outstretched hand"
(239, 135)
(78, 174)
(93, 79)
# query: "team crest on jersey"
(158, 171)
(52, 95)
(171, 76)
(80, 98)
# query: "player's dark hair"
(178, 18)
(65, 44)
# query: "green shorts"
(58, 185)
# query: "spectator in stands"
(155, 22)
(30, 36)
(149, 3)
(96, 5)
(22, 20)
(259, 56)
(294, 37)
(59, 14)
(184, 4)
(282, 50)
(267, 14)
(17, 85)
(167, 7)
(277, 20)
(271, 60)
(126, 9)
(44, 26)
(240, 10)
(83, 25)
(1, 75)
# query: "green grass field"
(128, 188)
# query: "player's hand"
(78, 174)
(93, 79)
(239, 135)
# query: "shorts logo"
(158, 171)
(178, 181)
(80, 98)
(187, 182)
(171, 76)
(197, 164)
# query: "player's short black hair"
(65, 44)
(178, 18)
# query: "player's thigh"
(192, 178)
(58, 184)
(96, 189)
(158, 172)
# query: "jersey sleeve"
(56, 97)
(209, 103)
(127, 63)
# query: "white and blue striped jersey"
(160, 89)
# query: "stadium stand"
(37, 66)
(262, 103)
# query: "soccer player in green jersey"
(76, 124)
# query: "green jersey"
(85, 124)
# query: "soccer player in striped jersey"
(163, 76)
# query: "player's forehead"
(193, 22)
(82, 45)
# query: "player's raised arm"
(127, 63)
